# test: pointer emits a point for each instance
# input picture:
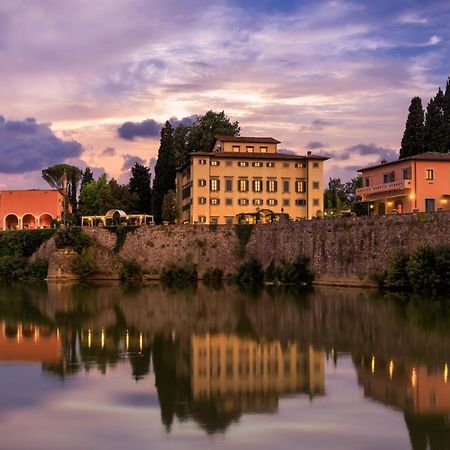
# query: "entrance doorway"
(430, 204)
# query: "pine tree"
(446, 111)
(164, 171)
(435, 134)
(412, 142)
(140, 184)
(86, 177)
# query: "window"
(285, 164)
(366, 182)
(202, 219)
(215, 201)
(257, 185)
(202, 161)
(242, 163)
(228, 185)
(300, 165)
(270, 164)
(250, 149)
(214, 220)
(407, 173)
(257, 164)
(315, 202)
(236, 148)
(286, 186)
(202, 200)
(286, 202)
(186, 192)
(243, 185)
(263, 149)
(316, 165)
(228, 201)
(215, 163)
(214, 184)
(228, 163)
(202, 183)
(229, 220)
(429, 174)
(388, 177)
(243, 201)
(272, 202)
(300, 202)
(258, 201)
(315, 185)
(271, 186)
(300, 186)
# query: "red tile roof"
(427, 156)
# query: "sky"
(90, 82)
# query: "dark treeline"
(85, 195)
(428, 131)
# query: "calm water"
(114, 367)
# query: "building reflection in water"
(421, 392)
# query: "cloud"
(26, 145)
(130, 160)
(286, 151)
(109, 151)
(314, 145)
(187, 121)
(434, 40)
(319, 125)
(147, 128)
(371, 149)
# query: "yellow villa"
(246, 179)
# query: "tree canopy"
(140, 184)
(412, 142)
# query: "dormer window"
(236, 148)
(250, 149)
(263, 149)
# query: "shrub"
(179, 277)
(297, 272)
(396, 277)
(131, 270)
(37, 270)
(12, 267)
(84, 265)
(23, 243)
(250, 272)
(73, 237)
(213, 276)
(272, 273)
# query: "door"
(430, 204)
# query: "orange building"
(419, 183)
(29, 209)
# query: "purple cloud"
(109, 151)
(130, 160)
(314, 145)
(147, 128)
(26, 145)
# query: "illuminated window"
(243, 185)
(202, 183)
(202, 200)
(257, 164)
(236, 148)
(263, 149)
(215, 163)
(429, 174)
(257, 185)
(214, 184)
(250, 149)
(202, 219)
(243, 201)
(242, 163)
(202, 161)
(271, 186)
(270, 164)
(272, 202)
(300, 165)
(215, 201)
(300, 186)
(258, 201)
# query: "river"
(125, 367)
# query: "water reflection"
(219, 355)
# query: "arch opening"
(28, 222)
(11, 222)
(45, 221)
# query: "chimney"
(308, 153)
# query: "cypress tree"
(140, 184)
(412, 141)
(86, 177)
(164, 170)
(446, 112)
(435, 134)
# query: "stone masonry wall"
(342, 251)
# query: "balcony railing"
(385, 187)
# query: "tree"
(86, 178)
(338, 196)
(65, 179)
(435, 133)
(412, 141)
(207, 126)
(169, 207)
(446, 112)
(139, 184)
(181, 144)
(164, 170)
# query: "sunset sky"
(335, 77)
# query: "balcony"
(384, 187)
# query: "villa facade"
(419, 183)
(29, 209)
(247, 179)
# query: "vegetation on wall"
(84, 265)
(178, 276)
(121, 235)
(74, 238)
(250, 273)
(243, 233)
(296, 272)
(23, 243)
(131, 270)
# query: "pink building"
(419, 183)
(29, 209)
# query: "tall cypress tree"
(86, 177)
(446, 112)
(140, 185)
(164, 170)
(435, 134)
(412, 141)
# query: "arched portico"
(45, 220)
(29, 222)
(11, 222)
